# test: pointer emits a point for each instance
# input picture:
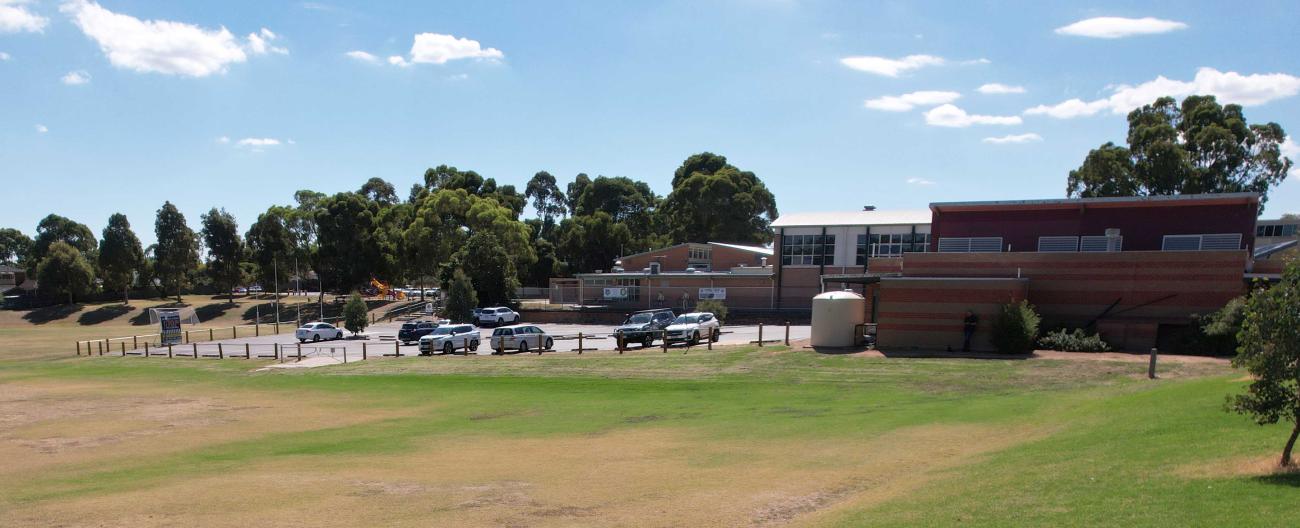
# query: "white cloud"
(164, 46)
(41, 129)
(436, 48)
(1014, 138)
(905, 102)
(362, 56)
(973, 62)
(260, 43)
(458, 77)
(223, 139)
(950, 116)
(1291, 150)
(890, 67)
(16, 18)
(919, 181)
(1119, 27)
(1227, 87)
(4, 56)
(74, 78)
(258, 143)
(999, 89)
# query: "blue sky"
(122, 104)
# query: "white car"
(449, 339)
(317, 332)
(498, 316)
(693, 327)
(521, 338)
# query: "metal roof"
(752, 249)
(1268, 250)
(855, 218)
(1244, 197)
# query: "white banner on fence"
(615, 293)
(719, 294)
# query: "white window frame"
(968, 244)
(1216, 241)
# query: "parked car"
(412, 331)
(692, 327)
(317, 332)
(449, 338)
(239, 290)
(256, 288)
(521, 338)
(645, 325)
(498, 316)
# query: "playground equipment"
(384, 289)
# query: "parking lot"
(379, 341)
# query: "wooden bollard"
(123, 343)
(397, 349)
(135, 342)
(110, 351)
(665, 339)
(580, 344)
(107, 346)
(248, 351)
(275, 348)
(787, 333)
(363, 351)
(187, 336)
(257, 329)
(99, 347)
(146, 349)
(221, 352)
(760, 334)
(712, 333)
(210, 338)
(1151, 367)
(169, 352)
(196, 350)
(78, 348)
(299, 351)
(234, 332)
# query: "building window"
(970, 245)
(1276, 230)
(890, 245)
(804, 250)
(1058, 244)
(633, 286)
(1215, 242)
(697, 254)
(1101, 243)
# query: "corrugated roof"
(752, 249)
(855, 218)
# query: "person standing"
(969, 323)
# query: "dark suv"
(644, 325)
(414, 330)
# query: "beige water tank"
(834, 317)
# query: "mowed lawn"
(737, 437)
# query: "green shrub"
(1015, 328)
(1076, 341)
(714, 306)
(354, 314)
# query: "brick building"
(676, 277)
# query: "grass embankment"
(740, 436)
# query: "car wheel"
(500, 321)
(647, 342)
(523, 346)
(302, 340)
(473, 345)
(716, 335)
(338, 335)
(550, 343)
(695, 338)
(315, 338)
(448, 349)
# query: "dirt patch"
(1257, 466)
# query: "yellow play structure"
(384, 289)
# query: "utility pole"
(275, 271)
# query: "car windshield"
(641, 318)
(408, 326)
(442, 331)
(686, 319)
(503, 332)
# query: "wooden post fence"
(135, 342)
(665, 339)
(299, 351)
(247, 351)
(787, 333)
(196, 350)
(580, 344)
(363, 351)
(221, 352)
(760, 334)
(169, 352)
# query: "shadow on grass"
(1282, 478)
(212, 311)
(51, 313)
(104, 313)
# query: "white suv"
(498, 316)
(449, 339)
(693, 327)
(521, 338)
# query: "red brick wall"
(724, 258)
(1151, 287)
(928, 313)
(671, 258)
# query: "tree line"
(453, 223)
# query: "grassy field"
(733, 437)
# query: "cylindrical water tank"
(835, 315)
